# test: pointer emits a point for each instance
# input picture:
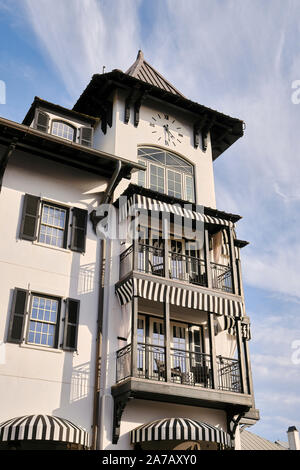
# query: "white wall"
(138, 412)
(34, 379)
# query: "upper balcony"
(151, 260)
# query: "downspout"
(5, 158)
(106, 198)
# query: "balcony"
(181, 267)
(187, 368)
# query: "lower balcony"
(187, 368)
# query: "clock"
(166, 130)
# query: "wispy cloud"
(80, 37)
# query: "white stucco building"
(123, 321)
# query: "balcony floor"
(182, 394)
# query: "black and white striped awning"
(138, 202)
(181, 429)
(178, 295)
(43, 427)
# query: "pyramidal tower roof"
(142, 70)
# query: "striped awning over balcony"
(181, 429)
(138, 202)
(178, 295)
(43, 427)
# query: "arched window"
(64, 130)
(166, 173)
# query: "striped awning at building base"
(180, 429)
(178, 295)
(43, 428)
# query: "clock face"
(166, 130)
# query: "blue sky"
(240, 57)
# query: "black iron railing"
(193, 368)
(229, 375)
(187, 367)
(187, 268)
(221, 277)
(151, 260)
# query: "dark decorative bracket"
(197, 129)
(128, 103)
(205, 132)
(234, 422)
(120, 403)
(137, 106)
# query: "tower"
(175, 327)
(125, 324)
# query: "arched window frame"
(61, 121)
(156, 170)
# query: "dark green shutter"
(31, 208)
(78, 232)
(86, 136)
(17, 317)
(42, 121)
(71, 324)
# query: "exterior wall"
(123, 140)
(138, 412)
(36, 379)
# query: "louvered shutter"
(30, 216)
(78, 229)
(86, 136)
(42, 121)
(17, 318)
(71, 324)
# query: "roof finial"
(140, 55)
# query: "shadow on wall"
(77, 391)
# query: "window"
(61, 129)
(42, 326)
(43, 321)
(49, 224)
(53, 225)
(166, 173)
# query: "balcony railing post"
(134, 325)
(207, 259)
(235, 286)
(135, 255)
(241, 355)
(167, 339)
(212, 345)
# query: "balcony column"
(165, 232)
(212, 346)
(241, 355)
(207, 259)
(135, 255)
(134, 325)
(235, 284)
(248, 368)
(167, 338)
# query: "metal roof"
(144, 71)
(250, 441)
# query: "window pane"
(63, 130)
(174, 184)
(189, 189)
(157, 182)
